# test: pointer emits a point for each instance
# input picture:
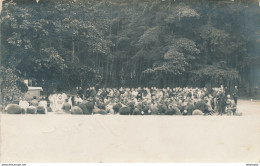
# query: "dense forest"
(66, 44)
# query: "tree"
(12, 87)
(131, 43)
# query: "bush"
(190, 108)
(154, 110)
(201, 105)
(84, 108)
(176, 110)
(76, 110)
(124, 111)
(41, 110)
(13, 109)
(162, 109)
(197, 112)
(131, 106)
(181, 108)
(117, 107)
(101, 106)
(90, 107)
(101, 111)
(31, 110)
(170, 112)
(137, 111)
(145, 110)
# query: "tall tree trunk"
(106, 72)
(73, 50)
(1, 97)
(78, 53)
(208, 55)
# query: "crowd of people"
(134, 101)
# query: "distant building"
(33, 91)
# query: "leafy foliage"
(12, 86)
(150, 36)
(177, 58)
(67, 44)
(181, 12)
(215, 74)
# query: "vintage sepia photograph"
(130, 81)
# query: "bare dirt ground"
(73, 138)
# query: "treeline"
(112, 43)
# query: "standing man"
(221, 101)
(24, 104)
(235, 94)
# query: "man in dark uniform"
(221, 102)
(140, 94)
(235, 94)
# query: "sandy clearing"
(72, 138)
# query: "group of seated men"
(137, 101)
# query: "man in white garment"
(52, 99)
(23, 104)
(59, 102)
